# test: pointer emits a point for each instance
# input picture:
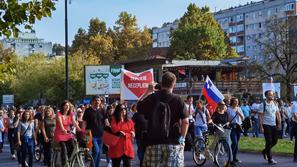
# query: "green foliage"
(17, 14)
(199, 36)
(123, 42)
(58, 49)
(40, 77)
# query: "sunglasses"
(122, 109)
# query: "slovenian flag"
(211, 93)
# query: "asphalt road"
(248, 160)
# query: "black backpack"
(159, 124)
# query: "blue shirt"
(246, 110)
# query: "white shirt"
(255, 107)
(268, 116)
(192, 111)
(294, 111)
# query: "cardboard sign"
(275, 87)
(134, 85)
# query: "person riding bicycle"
(62, 134)
(202, 118)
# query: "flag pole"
(202, 88)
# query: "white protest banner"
(103, 80)
(272, 86)
(134, 85)
(7, 99)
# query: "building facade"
(245, 23)
(28, 43)
(161, 36)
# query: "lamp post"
(246, 59)
(66, 52)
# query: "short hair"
(168, 80)
(266, 92)
(189, 97)
(232, 101)
(96, 97)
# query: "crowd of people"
(160, 123)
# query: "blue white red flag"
(211, 93)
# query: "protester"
(191, 130)
(246, 110)
(1, 131)
(16, 122)
(165, 146)
(202, 118)
(11, 133)
(48, 129)
(268, 114)
(235, 118)
(123, 150)
(254, 115)
(62, 134)
(109, 112)
(94, 119)
(81, 135)
(294, 129)
(26, 137)
(283, 115)
(140, 126)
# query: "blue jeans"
(255, 126)
(97, 147)
(27, 149)
(199, 130)
(235, 136)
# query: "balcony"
(232, 87)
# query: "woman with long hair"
(123, 150)
(48, 128)
(235, 118)
(64, 118)
(11, 131)
(26, 137)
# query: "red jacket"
(125, 145)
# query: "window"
(268, 12)
(260, 25)
(232, 39)
(239, 28)
(246, 16)
(260, 13)
(232, 29)
(240, 48)
(239, 17)
(289, 7)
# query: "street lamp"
(66, 52)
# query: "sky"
(150, 13)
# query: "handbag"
(110, 139)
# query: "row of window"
(254, 26)
(236, 28)
(255, 15)
(239, 48)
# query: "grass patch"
(249, 144)
(283, 146)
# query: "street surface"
(248, 160)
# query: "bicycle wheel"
(198, 152)
(37, 154)
(222, 153)
(83, 159)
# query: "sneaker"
(20, 165)
(272, 162)
(12, 156)
(237, 161)
(264, 155)
(109, 164)
(26, 164)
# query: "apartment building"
(161, 36)
(28, 43)
(245, 23)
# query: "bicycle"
(80, 157)
(222, 151)
(37, 152)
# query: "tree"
(81, 41)
(199, 36)
(16, 15)
(58, 49)
(128, 40)
(279, 52)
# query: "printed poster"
(134, 85)
(103, 80)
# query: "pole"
(66, 52)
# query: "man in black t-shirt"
(165, 151)
(94, 120)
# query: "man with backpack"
(269, 122)
(168, 123)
